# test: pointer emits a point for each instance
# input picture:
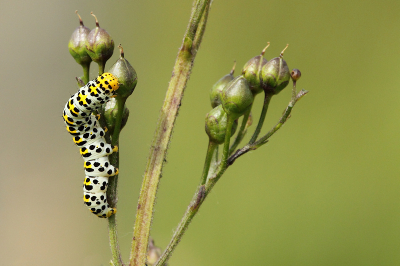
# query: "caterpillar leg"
(94, 196)
(97, 204)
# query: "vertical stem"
(112, 186)
(86, 69)
(241, 132)
(166, 122)
(267, 99)
(101, 68)
(228, 133)
(209, 156)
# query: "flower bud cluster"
(234, 97)
(86, 45)
(97, 45)
(229, 97)
(269, 76)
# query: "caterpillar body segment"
(89, 137)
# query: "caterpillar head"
(108, 82)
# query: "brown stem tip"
(121, 51)
(97, 22)
(265, 49)
(281, 55)
(80, 19)
(233, 68)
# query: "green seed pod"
(251, 71)
(126, 75)
(216, 90)
(216, 122)
(77, 43)
(275, 75)
(296, 74)
(110, 110)
(237, 97)
(100, 45)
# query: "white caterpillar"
(89, 136)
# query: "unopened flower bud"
(252, 70)
(110, 111)
(296, 74)
(216, 90)
(100, 45)
(76, 45)
(237, 97)
(216, 122)
(126, 75)
(275, 75)
(153, 253)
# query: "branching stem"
(267, 99)
(207, 163)
(203, 191)
(242, 132)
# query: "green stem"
(203, 191)
(86, 69)
(112, 234)
(166, 122)
(267, 99)
(242, 132)
(209, 156)
(112, 187)
(117, 128)
(265, 138)
(214, 163)
(228, 133)
(102, 65)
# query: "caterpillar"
(89, 137)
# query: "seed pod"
(275, 75)
(252, 69)
(76, 45)
(126, 75)
(296, 74)
(216, 122)
(237, 97)
(100, 45)
(110, 111)
(216, 90)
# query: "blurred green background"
(323, 191)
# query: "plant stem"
(203, 191)
(101, 68)
(209, 156)
(112, 187)
(242, 132)
(162, 136)
(228, 133)
(265, 138)
(86, 69)
(267, 99)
